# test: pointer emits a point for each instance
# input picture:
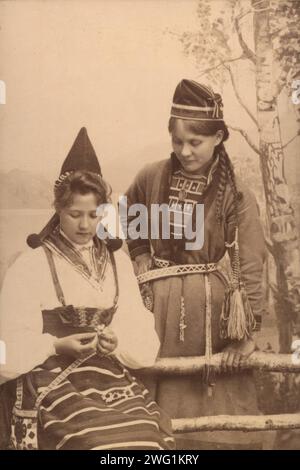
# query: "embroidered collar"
(169, 166)
(58, 243)
(208, 178)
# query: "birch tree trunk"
(283, 231)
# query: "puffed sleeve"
(138, 343)
(21, 319)
(251, 246)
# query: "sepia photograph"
(149, 227)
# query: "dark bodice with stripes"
(66, 320)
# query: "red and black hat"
(195, 101)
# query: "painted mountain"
(21, 189)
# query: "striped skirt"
(99, 405)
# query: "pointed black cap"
(82, 155)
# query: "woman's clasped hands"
(83, 344)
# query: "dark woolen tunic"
(188, 396)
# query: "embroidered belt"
(167, 270)
(190, 269)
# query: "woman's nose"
(83, 223)
(186, 151)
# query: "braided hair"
(225, 166)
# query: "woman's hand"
(107, 341)
(235, 354)
(78, 345)
(143, 263)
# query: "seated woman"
(72, 320)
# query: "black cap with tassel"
(81, 156)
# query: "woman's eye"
(195, 143)
(93, 216)
(177, 142)
(74, 216)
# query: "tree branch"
(246, 50)
(246, 137)
(273, 287)
(275, 33)
(227, 61)
(291, 140)
(269, 246)
(239, 97)
(279, 86)
(241, 15)
(282, 79)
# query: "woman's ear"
(219, 137)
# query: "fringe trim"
(237, 319)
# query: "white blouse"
(28, 288)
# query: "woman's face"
(79, 220)
(194, 151)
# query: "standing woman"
(73, 321)
(198, 312)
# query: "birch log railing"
(237, 423)
(257, 360)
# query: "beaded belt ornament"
(177, 270)
(166, 269)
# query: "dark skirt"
(189, 396)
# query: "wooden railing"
(258, 360)
(192, 365)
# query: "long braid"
(236, 268)
(237, 320)
(225, 162)
(226, 174)
(223, 179)
(237, 195)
